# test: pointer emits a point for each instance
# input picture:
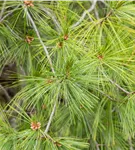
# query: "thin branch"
(130, 143)
(109, 97)
(13, 32)
(3, 8)
(97, 145)
(90, 129)
(39, 37)
(50, 14)
(9, 13)
(104, 3)
(50, 119)
(117, 85)
(5, 93)
(84, 14)
(50, 62)
(96, 13)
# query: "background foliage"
(67, 75)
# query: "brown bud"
(28, 3)
(81, 107)
(65, 37)
(100, 57)
(35, 126)
(29, 39)
(60, 44)
(44, 106)
(49, 81)
(57, 144)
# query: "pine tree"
(73, 76)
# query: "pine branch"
(130, 143)
(117, 85)
(50, 119)
(109, 97)
(5, 93)
(38, 84)
(11, 30)
(49, 59)
(39, 37)
(1, 19)
(84, 14)
(104, 2)
(50, 14)
(97, 145)
(3, 8)
(96, 13)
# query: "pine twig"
(50, 14)
(130, 143)
(97, 145)
(96, 13)
(49, 59)
(13, 32)
(104, 3)
(1, 19)
(85, 13)
(5, 93)
(117, 85)
(50, 119)
(39, 37)
(3, 8)
(108, 96)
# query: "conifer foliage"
(72, 86)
